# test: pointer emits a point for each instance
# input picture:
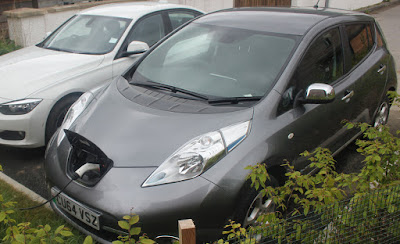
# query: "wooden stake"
(187, 231)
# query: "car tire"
(252, 204)
(382, 114)
(57, 115)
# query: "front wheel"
(57, 114)
(253, 204)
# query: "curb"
(379, 6)
(21, 188)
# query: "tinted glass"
(379, 37)
(179, 18)
(360, 41)
(88, 34)
(322, 63)
(149, 30)
(218, 61)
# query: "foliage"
(128, 225)
(23, 232)
(7, 46)
(302, 194)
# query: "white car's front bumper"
(25, 130)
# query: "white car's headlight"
(73, 113)
(198, 155)
(19, 107)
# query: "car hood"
(30, 69)
(133, 135)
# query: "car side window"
(178, 18)
(322, 63)
(379, 37)
(360, 41)
(149, 30)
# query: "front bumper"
(32, 125)
(120, 193)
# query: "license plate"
(77, 210)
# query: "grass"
(7, 46)
(39, 216)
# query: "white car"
(38, 84)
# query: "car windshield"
(87, 34)
(218, 61)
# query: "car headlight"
(19, 107)
(198, 155)
(73, 113)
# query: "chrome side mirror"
(319, 93)
(136, 47)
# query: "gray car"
(170, 138)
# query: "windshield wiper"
(234, 100)
(173, 89)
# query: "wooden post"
(35, 3)
(187, 231)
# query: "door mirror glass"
(136, 47)
(319, 93)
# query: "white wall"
(30, 30)
(342, 4)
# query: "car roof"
(295, 21)
(132, 10)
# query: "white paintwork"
(31, 30)
(35, 72)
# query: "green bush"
(323, 192)
(7, 46)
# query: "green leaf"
(88, 240)
(2, 216)
(47, 228)
(134, 219)
(20, 238)
(58, 229)
(58, 239)
(117, 242)
(147, 241)
(124, 225)
(135, 231)
(66, 233)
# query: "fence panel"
(257, 3)
(370, 218)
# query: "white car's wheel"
(57, 115)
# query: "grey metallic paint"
(139, 137)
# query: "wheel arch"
(59, 101)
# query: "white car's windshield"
(88, 34)
(218, 61)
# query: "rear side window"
(360, 41)
(179, 18)
(379, 37)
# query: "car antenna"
(316, 5)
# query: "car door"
(367, 64)
(150, 29)
(308, 126)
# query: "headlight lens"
(198, 155)
(19, 107)
(73, 113)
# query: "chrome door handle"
(382, 69)
(348, 96)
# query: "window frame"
(350, 68)
(166, 22)
(340, 27)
